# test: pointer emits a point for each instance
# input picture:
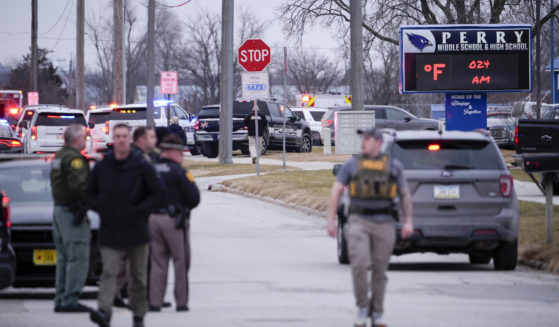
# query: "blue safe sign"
(465, 111)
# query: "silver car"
(462, 193)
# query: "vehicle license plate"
(446, 192)
(44, 257)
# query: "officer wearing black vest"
(170, 226)
(374, 181)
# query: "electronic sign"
(465, 58)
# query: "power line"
(63, 27)
(58, 20)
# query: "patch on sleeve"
(76, 163)
(189, 176)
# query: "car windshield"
(446, 155)
(317, 115)
(59, 119)
(499, 116)
(98, 117)
(26, 184)
(138, 113)
(209, 112)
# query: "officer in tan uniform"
(374, 181)
(170, 226)
(71, 233)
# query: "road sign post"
(32, 98)
(254, 56)
(169, 85)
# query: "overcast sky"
(57, 26)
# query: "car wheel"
(305, 145)
(343, 256)
(211, 149)
(506, 256)
(194, 150)
(264, 144)
(479, 258)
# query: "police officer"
(170, 227)
(69, 172)
(374, 181)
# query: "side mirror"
(407, 119)
(336, 169)
(91, 124)
(25, 124)
(298, 118)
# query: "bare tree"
(312, 72)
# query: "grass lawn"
(205, 169)
(311, 189)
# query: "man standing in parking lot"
(124, 189)
(145, 141)
(251, 123)
(71, 233)
(374, 180)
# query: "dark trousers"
(72, 256)
(112, 266)
(168, 243)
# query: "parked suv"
(46, 128)
(312, 116)
(135, 115)
(462, 193)
(298, 132)
(7, 254)
(385, 117)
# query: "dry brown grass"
(315, 155)
(304, 188)
(519, 175)
(531, 235)
(507, 155)
(206, 169)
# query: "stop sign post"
(254, 55)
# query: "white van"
(46, 128)
(313, 117)
(135, 115)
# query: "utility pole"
(124, 53)
(117, 51)
(356, 22)
(80, 66)
(226, 84)
(151, 61)
(34, 59)
(538, 63)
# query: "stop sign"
(254, 55)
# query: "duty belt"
(367, 211)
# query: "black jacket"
(249, 122)
(178, 130)
(179, 184)
(124, 193)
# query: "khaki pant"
(252, 145)
(168, 243)
(112, 259)
(370, 245)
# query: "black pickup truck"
(298, 136)
(539, 136)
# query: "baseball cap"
(373, 131)
(171, 142)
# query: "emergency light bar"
(62, 116)
(159, 103)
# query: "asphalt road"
(259, 264)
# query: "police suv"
(135, 115)
(46, 128)
(462, 194)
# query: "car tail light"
(87, 133)
(196, 125)
(6, 209)
(434, 147)
(14, 111)
(326, 123)
(485, 232)
(516, 136)
(11, 143)
(506, 185)
(106, 128)
(34, 132)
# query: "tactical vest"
(372, 189)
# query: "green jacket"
(68, 176)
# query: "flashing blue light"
(68, 117)
(159, 103)
(4, 122)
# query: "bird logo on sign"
(418, 41)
